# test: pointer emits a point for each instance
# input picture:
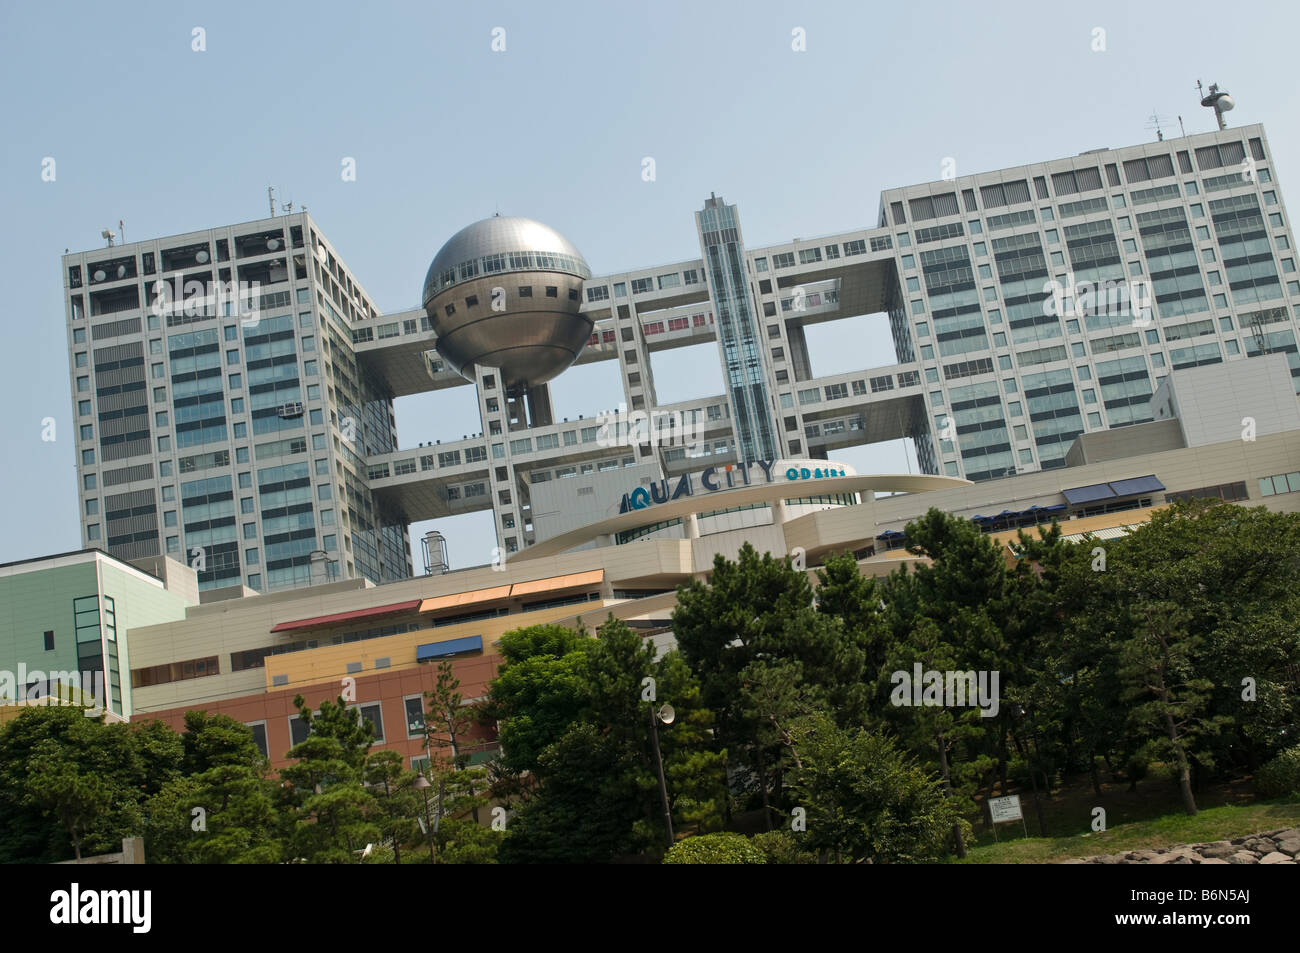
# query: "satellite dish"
(201, 256)
(121, 271)
(667, 714)
(273, 243)
(1225, 103)
(100, 275)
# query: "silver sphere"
(505, 293)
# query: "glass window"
(236, 381)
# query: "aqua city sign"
(718, 478)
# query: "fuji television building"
(273, 448)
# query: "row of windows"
(1079, 180)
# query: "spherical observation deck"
(505, 293)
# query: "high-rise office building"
(209, 423)
(1027, 307)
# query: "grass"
(1151, 817)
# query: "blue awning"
(1088, 494)
(1142, 484)
(1116, 488)
(431, 650)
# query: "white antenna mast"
(1218, 100)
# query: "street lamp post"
(666, 715)
(422, 785)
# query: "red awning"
(338, 617)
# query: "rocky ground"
(1270, 847)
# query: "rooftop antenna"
(1218, 100)
(1155, 121)
(122, 227)
(1181, 131)
(270, 197)
(107, 233)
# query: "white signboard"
(1005, 808)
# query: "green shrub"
(715, 849)
(1281, 776)
(782, 847)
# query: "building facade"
(1028, 307)
(65, 621)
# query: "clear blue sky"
(445, 131)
